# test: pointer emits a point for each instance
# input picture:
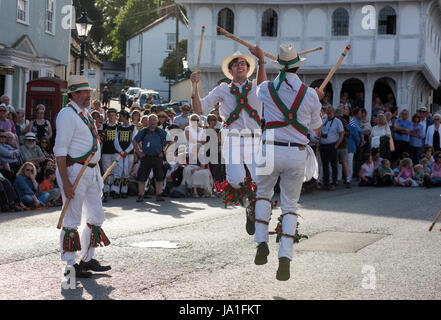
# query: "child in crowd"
(367, 171)
(48, 185)
(385, 174)
(406, 173)
(419, 175)
(428, 153)
(435, 177)
(426, 167)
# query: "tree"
(135, 15)
(168, 68)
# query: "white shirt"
(222, 94)
(308, 113)
(73, 135)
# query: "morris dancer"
(240, 109)
(76, 139)
(290, 109)
(109, 151)
(123, 144)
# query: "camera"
(324, 135)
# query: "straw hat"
(288, 57)
(77, 83)
(237, 54)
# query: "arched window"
(225, 20)
(269, 23)
(387, 21)
(340, 22)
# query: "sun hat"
(236, 55)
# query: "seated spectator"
(8, 154)
(184, 118)
(428, 153)
(28, 188)
(193, 134)
(404, 178)
(46, 165)
(376, 159)
(171, 114)
(379, 130)
(30, 151)
(46, 148)
(145, 121)
(5, 123)
(21, 124)
(435, 178)
(9, 200)
(49, 185)
(198, 176)
(426, 168)
(367, 171)
(40, 126)
(385, 175)
(419, 175)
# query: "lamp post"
(83, 26)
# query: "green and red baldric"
(242, 103)
(91, 125)
(289, 114)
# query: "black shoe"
(283, 271)
(250, 225)
(140, 199)
(116, 196)
(159, 198)
(146, 196)
(79, 272)
(94, 265)
(261, 254)
(124, 196)
(105, 195)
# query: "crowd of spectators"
(389, 148)
(27, 163)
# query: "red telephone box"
(46, 91)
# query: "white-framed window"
(171, 41)
(50, 16)
(23, 11)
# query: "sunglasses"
(29, 170)
(2, 136)
(2, 110)
(240, 63)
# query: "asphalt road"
(211, 256)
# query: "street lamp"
(83, 26)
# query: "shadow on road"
(97, 291)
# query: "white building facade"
(401, 55)
(33, 41)
(146, 52)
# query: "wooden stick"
(201, 43)
(109, 170)
(248, 45)
(331, 73)
(77, 180)
(434, 221)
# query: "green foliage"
(168, 68)
(135, 15)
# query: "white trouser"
(237, 152)
(106, 161)
(289, 165)
(87, 199)
(121, 172)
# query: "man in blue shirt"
(332, 135)
(149, 144)
(403, 128)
